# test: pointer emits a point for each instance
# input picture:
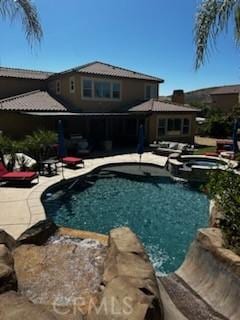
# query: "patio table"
(49, 167)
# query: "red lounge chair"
(18, 176)
(72, 162)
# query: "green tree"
(223, 187)
(213, 17)
(28, 14)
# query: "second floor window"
(72, 84)
(116, 90)
(102, 89)
(98, 89)
(151, 91)
(58, 87)
(87, 88)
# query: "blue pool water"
(203, 163)
(164, 214)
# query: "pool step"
(181, 302)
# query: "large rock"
(7, 275)
(13, 306)
(6, 256)
(6, 239)
(38, 234)
(124, 301)
(131, 290)
(126, 256)
(64, 272)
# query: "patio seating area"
(166, 148)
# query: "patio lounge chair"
(168, 147)
(72, 162)
(16, 176)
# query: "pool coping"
(229, 164)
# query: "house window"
(72, 85)
(116, 90)
(87, 88)
(98, 89)
(150, 91)
(58, 87)
(102, 89)
(174, 124)
(186, 126)
(161, 127)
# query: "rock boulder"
(64, 272)
(38, 234)
(13, 306)
(6, 239)
(7, 274)
(131, 290)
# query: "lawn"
(203, 149)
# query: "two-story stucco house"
(226, 98)
(97, 100)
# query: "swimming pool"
(164, 214)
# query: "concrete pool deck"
(20, 208)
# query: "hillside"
(201, 95)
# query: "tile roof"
(93, 68)
(154, 105)
(100, 68)
(23, 73)
(32, 101)
(227, 89)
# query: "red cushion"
(3, 170)
(72, 160)
(19, 175)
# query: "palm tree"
(213, 17)
(28, 14)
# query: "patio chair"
(72, 162)
(16, 176)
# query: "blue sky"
(151, 36)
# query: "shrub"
(10, 147)
(39, 144)
(224, 187)
(217, 126)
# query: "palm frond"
(212, 18)
(27, 12)
(237, 25)
(206, 19)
